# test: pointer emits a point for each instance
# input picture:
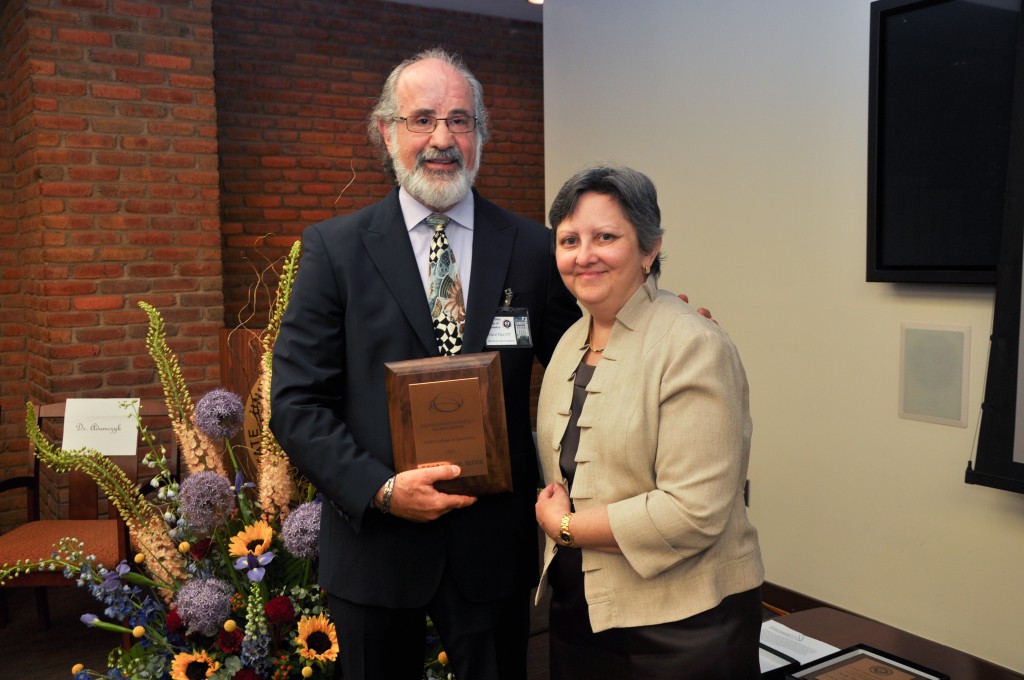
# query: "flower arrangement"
(222, 585)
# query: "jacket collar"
(629, 315)
(493, 239)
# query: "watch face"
(565, 536)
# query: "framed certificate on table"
(865, 663)
(451, 410)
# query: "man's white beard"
(439, 191)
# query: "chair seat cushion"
(37, 540)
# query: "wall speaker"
(934, 363)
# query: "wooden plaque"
(451, 410)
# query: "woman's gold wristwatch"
(564, 535)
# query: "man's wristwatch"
(564, 535)
(385, 501)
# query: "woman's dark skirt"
(718, 644)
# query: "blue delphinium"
(256, 643)
(112, 579)
(146, 613)
(118, 596)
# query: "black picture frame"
(827, 665)
(940, 112)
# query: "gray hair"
(632, 190)
(387, 106)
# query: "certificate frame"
(855, 662)
(451, 410)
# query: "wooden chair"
(89, 519)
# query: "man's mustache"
(439, 155)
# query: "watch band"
(563, 531)
(385, 501)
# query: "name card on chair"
(107, 425)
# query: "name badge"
(511, 326)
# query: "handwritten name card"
(107, 425)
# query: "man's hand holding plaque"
(415, 498)
(448, 411)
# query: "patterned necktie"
(445, 289)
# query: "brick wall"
(13, 454)
(119, 136)
(294, 86)
(112, 118)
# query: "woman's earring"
(647, 269)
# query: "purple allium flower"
(253, 565)
(301, 530)
(220, 414)
(204, 605)
(206, 500)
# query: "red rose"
(229, 643)
(279, 610)
(173, 622)
(245, 674)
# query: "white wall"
(751, 117)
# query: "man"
(392, 547)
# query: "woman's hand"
(552, 503)
(590, 528)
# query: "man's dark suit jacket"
(358, 302)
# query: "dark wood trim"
(844, 630)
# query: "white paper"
(790, 643)
(105, 425)
(770, 662)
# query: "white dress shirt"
(459, 232)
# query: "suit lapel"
(493, 238)
(387, 244)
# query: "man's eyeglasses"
(458, 125)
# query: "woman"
(644, 434)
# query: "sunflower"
(317, 639)
(254, 539)
(195, 666)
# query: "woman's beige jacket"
(664, 443)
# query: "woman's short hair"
(632, 190)
(387, 107)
